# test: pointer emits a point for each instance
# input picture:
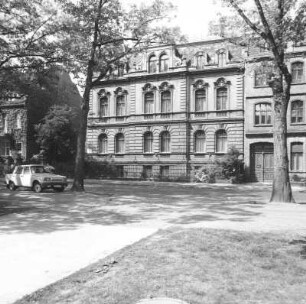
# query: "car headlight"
(47, 179)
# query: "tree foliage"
(30, 39)
(277, 24)
(56, 133)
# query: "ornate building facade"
(258, 146)
(176, 108)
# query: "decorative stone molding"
(120, 91)
(165, 86)
(200, 84)
(148, 87)
(103, 93)
(221, 82)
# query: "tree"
(30, 39)
(102, 37)
(278, 23)
(56, 133)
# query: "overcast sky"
(192, 16)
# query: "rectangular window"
(297, 71)
(120, 171)
(164, 171)
(297, 157)
(263, 114)
(221, 99)
(147, 171)
(166, 102)
(297, 110)
(200, 98)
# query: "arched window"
(296, 156)
(163, 63)
(263, 114)
(152, 64)
(149, 103)
(103, 106)
(297, 71)
(221, 99)
(165, 102)
(200, 99)
(165, 142)
(119, 143)
(199, 141)
(297, 111)
(102, 144)
(148, 142)
(120, 105)
(221, 141)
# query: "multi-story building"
(258, 148)
(176, 108)
(13, 127)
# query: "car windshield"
(38, 169)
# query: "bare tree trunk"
(281, 191)
(78, 183)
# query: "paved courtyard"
(47, 236)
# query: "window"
(18, 121)
(102, 144)
(200, 99)
(166, 102)
(148, 142)
(165, 142)
(119, 143)
(221, 141)
(120, 171)
(103, 107)
(149, 103)
(19, 147)
(152, 64)
(221, 59)
(261, 78)
(26, 170)
(199, 142)
(221, 98)
(147, 171)
(164, 171)
(297, 110)
(263, 114)
(163, 63)
(5, 123)
(297, 71)
(297, 156)
(120, 105)
(200, 61)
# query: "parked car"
(36, 177)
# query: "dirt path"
(47, 236)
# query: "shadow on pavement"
(115, 204)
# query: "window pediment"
(103, 93)
(148, 87)
(120, 91)
(221, 82)
(166, 86)
(200, 84)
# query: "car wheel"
(12, 186)
(37, 187)
(58, 189)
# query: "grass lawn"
(200, 266)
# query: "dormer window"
(221, 58)
(152, 64)
(163, 63)
(200, 60)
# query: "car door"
(26, 177)
(16, 176)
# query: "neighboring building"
(13, 127)
(258, 147)
(19, 115)
(176, 108)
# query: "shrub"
(206, 174)
(232, 166)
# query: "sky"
(192, 16)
